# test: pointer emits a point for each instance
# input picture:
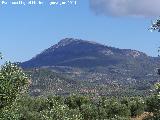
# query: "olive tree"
(153, 103)
(156, 26)
(13, 81)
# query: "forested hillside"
(86, 67)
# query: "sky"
(27, 30)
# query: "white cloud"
(126, 7)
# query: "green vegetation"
(49, 81)
(13, 82)
(17, 104)
(69, 108)
(153, 103)
(76, 107)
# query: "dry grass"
(144, 115)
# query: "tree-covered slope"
(94, 68)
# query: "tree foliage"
(0, 55)
(12, 82)
(155, 25)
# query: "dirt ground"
(144, 115)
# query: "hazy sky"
(27, 30)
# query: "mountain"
(98, 68)
(75, 52)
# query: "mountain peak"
(67, 41)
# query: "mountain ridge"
(78, 48)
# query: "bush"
(137, 106)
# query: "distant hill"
(98, 66)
